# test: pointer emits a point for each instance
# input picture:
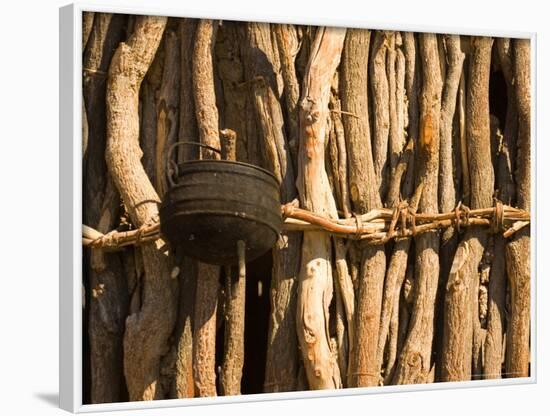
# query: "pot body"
(214, 203)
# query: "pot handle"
(173, 171)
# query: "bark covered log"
(354, 91)
(232, 367)
(261, 66)
(167, 108)
(107, 286)
(518, 251)
(187, 120)
(106, 33)
(204, 343)
(459, 313)
(381, 115)
(414, 362)
(396, 141)
(108, 311)
(147, 331)
(506, 161)
(496, 323)
(395, 276)
(365, 195)
(183, 380)
(447, 191)
(338, 147)
(448, 169)
(183, 383)
(262, 69)
(496, 313)
(235, 291)
(231, 70)
(87, 23)
(282, 360)
(204, 336)
(287, 43)
(203, 87)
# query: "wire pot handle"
(173, 171)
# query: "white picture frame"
(70, 261)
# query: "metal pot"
(212, 204)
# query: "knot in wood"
(311, 114)
(309, 337)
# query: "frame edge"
(69, 396)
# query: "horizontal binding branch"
(376, 226)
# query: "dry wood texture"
(446, 189)
(414, 363)
(108, 303)
(183, 384)
(204, 344)
(147, 331)
(403, 163)
(364, 196)
(496, 313)
(461, 316)
(519, 249)
(315, 275)
(233, 360)
(262, 52)
(231, 371)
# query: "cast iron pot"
(212, 204)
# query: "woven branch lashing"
(376, 226)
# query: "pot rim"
(227, 162)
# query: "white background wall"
(29, 202)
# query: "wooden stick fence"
(377, 226)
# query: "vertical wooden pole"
(518, 251)
(315, 277)
(414, 363)
(204, 344)
(148, 330)
(459, 313)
